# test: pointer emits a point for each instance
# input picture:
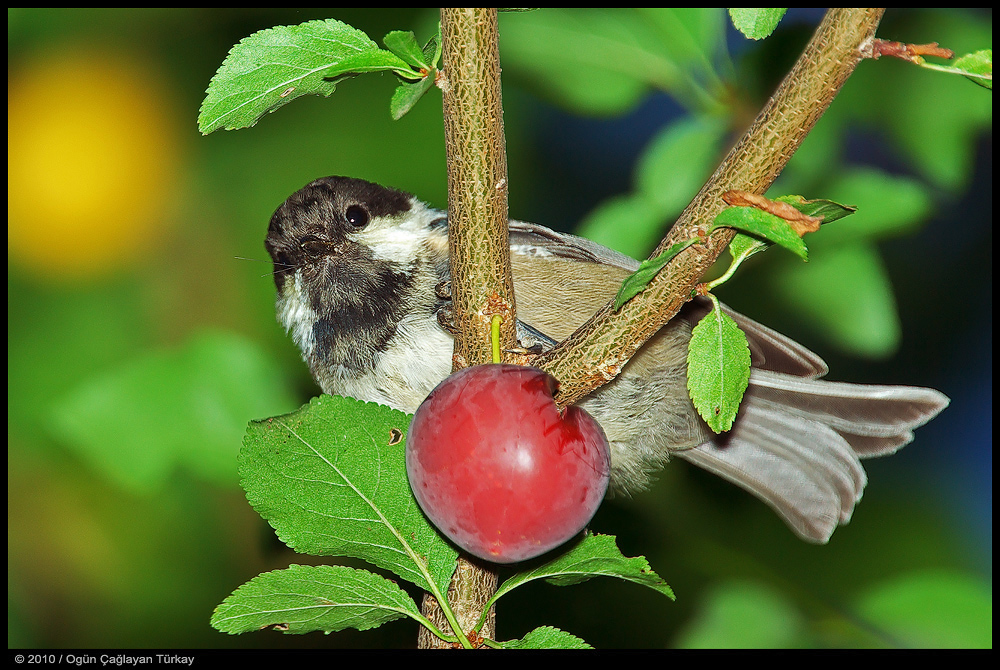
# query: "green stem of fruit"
(495, 337)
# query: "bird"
(362, 271)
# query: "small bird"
(361, 272)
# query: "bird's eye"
(357, 216)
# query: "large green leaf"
(718, 369)
(593, 556)
(273, 67)
(331, 479)
(306, 598)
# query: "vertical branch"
(477, 182)
(478, 238)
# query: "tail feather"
(797, 444)
(856, 409)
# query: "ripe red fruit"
(499, 469)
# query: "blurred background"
(141, 331)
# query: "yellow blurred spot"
(91, 164)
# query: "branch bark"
(481, 282)
(596, 353)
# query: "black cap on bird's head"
(317, 219)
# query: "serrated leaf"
(828, 210)
(273, 67)
(406, 96)
(547, 637)
(593, 556)
(404, 44)
(330, 483)
(756, 24)
(307, 598)
(978, 67)
(762, 224)
(718, 369)
(637, 282)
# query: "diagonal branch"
(596, 353)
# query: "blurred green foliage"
(129, 388)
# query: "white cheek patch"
(295, 314)
(397, 240)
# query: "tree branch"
(482, 284)
(596, 353)
(478, 238)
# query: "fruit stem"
(495, 336)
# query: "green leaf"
(762, 224)
(932, 610)
(828, 210)
(404, 44)
(744, 246)
(593, 556)
(330, 483)
(718, 369)
(741, 248)
(756, 24)
(744, 615)
(846, 295)
(978, 67)
(185, 407)
(547, 637)
(602, 61)
(406, 96)
(630, 224)
(307, 598)
(273, 67)
(637, 282)
(675, 164)
(432, 50)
